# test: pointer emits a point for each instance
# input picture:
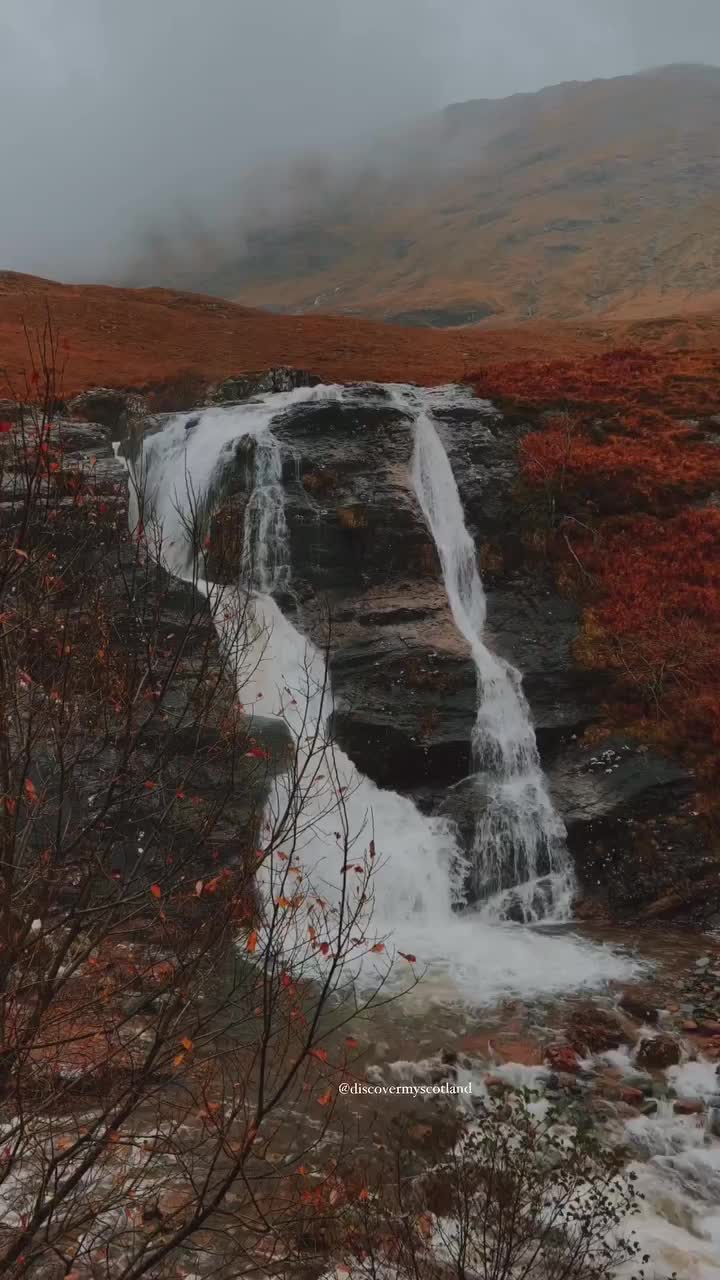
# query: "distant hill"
(582, 200)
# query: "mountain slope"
(584, 199)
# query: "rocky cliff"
(366, 580)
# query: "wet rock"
(649, 1107)
(641, 1002)
(563, 1059)
(637, 843)
(633, 1097)
(688, 1106)
(591, 1029)
(497, 1084)
(116, 410)
(658, 1052)
(245, 385)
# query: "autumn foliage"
(618, 486)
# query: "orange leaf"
(325, 1099)
(179, 1060)
(283, 903)
(252, 942)
(379, 946)
(364, 1194)
(186, 1043)
(156, 891)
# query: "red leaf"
(325, 1099)
(252, 942)
(372, 848)
(351, 1042)
(5, 427)
(320, 1054)
(325, 948)
(156, 891)
(149, 786)
(410, 958)
(379, 946)
(30, 791)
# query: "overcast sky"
(113, 112)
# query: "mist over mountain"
(577, 200)
(153, 140)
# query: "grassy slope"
(127, 337)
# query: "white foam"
(520, 861)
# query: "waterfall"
(417, 904)
(520, 863)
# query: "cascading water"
(419, 870)
(520, 864)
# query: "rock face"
(245, 385)
(365, 574)
(118, 411)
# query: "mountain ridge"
(584, 199)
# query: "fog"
(120, 115)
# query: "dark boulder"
(243, 386)
(120, 412)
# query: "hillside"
(582, 200)
(137, 337)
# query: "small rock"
(496, 1083)
(594, 1030)
(563, 1059)
(641, 1003)
(658, 1052)
(688, 1106)
(634, 1097)
(649, 1108)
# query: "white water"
(520, 862)
(419, 869)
